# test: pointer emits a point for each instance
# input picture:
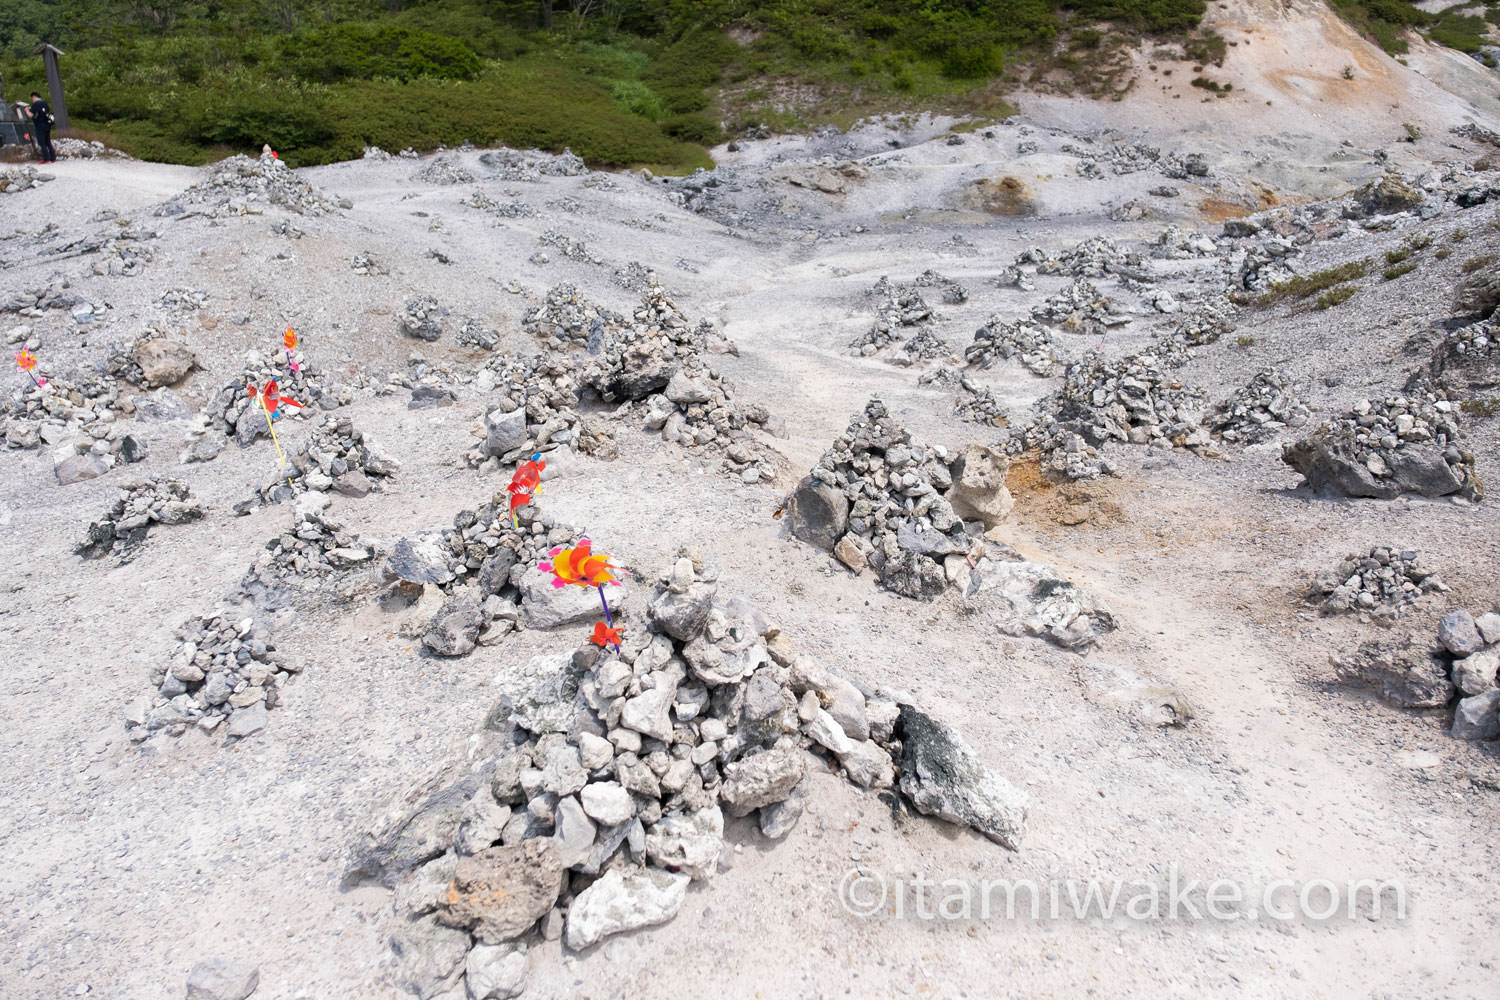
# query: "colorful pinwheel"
(579, 567)
(27, 361)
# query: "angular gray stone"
(247, 720)
(423, 559)
(504, 431)
(1477, 718)
(761, 779)
(220, 979)
(607, 803)
(687, 842)
(1489, 626)
(495, 971)
(1403, 672)
(683, 616)
(621, 901)
(1475, 674)
(777, 819)
(817, 513)
(867, 765)
(1458, 633)
(430, 956)
(941, 776)
(454, 630)
(500, 893)
(827, 733)
(573, 832)
(163, 362)
(77, 468)
(545, 606)
(562, 770)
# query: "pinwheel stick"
(271, 426)
(608, 618)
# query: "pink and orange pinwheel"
(579, 567)
(289, 341)
(27, 361)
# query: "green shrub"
(1392, 273)
(1305, 285)
(1478, 263)
(1334, 296)
(369, 52)
(972, 62)
(694, 128)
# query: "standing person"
(41, 122)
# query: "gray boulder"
(1403, 672)
(429, 956)
(504, 431)
(1329, 463)
(1479, 293)
(941, 776)
(77, 468)
(683, 616)
(454, 630)
(1459, 634)
(817, 513)
(624, 901)
(495, 971)
(219, 979)
(761, 780)
(1477, 718)
(979, 492)
(423, 559)
(163, 362)
(546, 606)
(499, 893)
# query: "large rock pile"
(1023, 340)
(61, 410)
(479, 579)
(1413, 671)
(1200, 321)
(312, 546)
(1080, 308)
(569, 247)
(153, 360)
(19, 179)
(564, 320)
(139, 505)
(1133, 400)
(238, 416)
(1384, 448)
(1384, 581)
(532, 405)
(442, 171)
(1094, 257)
(513, 209)
(241, 185)
(1258, 410)
(221, 670)
(611, 795)
(336, 457)
(531, 165)
(916, 518)
(697, 409)
(896, 306)
(1465, 363)
(36, 302)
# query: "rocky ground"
(919, 454)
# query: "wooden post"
(49, 54)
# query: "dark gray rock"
(817, 513)
(429, 956)
(494, 573)
(405, 839)
(1477, 718)
(913, 575)
(1458, 633)
(1479, 293)
(454, 630)
(504, 431)
(941, 776)
(423, 559)
(683, 616)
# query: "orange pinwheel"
(27, 361)
(579, 566)
(606, 636)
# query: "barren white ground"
(125, 865)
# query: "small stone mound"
(531, 165)
(1465, 363)
(63, 409)
(532, 405)
(570, 248)
(697, 409)
(1080, 308)
(421, 318)
(1384, 581)
(153, 360)
(1384, 448)
(610, 796)
(236, 415)
(564, 320)
(1203, 322)
(950, 291)
(972, 403)
(923, 345)
(221, 670)
(513, 209)
(634, 276)
(1130, 400)
(18, 179)
(335, 458)
(124, 526)
(476, 334)
(442, 171)
(313, 546)
(1094, 257)
(1259, 410)
(896, 306)
(1023, 340)
(1414, 671)
(241, 185)
(37, 301)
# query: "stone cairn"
(1262, 408)
(139, 505)
(313, 546)
(1384, 581)
(242, 185)
(1384, 448)
(1465, 363)
(421, 318)
(532, 405)
(1080, 308)
(1131, 400)
(335, 458)
(479, 580)
(916, 517)
(38, 301)
(564, 320)
(63, 409)
(605, 789)
(1030, 344)
(513, 209)
(221, 670)
(234, 414)
(972, 403)
(896, 306)
(1458, 669)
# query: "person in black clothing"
(41, 123)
